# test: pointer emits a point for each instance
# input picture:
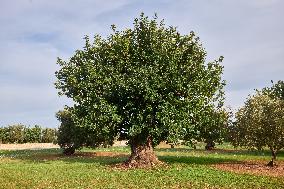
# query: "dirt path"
(32, 146)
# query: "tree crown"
(260, 122)
(149, 81)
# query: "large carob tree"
(145, 84)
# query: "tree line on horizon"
(19, 133)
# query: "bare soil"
(36, 146)
(32, 146)
(101, 154)
(253, 168)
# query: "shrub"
(48, 135)
(69, 136)
(1, 135)
(33, 135)
(16, 133)
(4, 135)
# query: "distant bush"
(69, 136)
(33, 135)
(15, 133)
(22, 134)
(4, 135)
(48, 135)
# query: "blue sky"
(248, 33)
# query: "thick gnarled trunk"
(142, 155)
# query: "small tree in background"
(68, 134)
(71, 136)
(260, 123)
(145, 85)
(213, 128)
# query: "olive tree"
(213, 127)
(145, 84)
(260, 122)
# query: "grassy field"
(186, 168)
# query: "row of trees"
(151, 84)
(21, 134)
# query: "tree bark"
(209, 145)
(272, 163)
(142, 155)
(70, 150)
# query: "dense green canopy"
(149, 82)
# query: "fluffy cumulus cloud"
(35, 32)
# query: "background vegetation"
(22, 134)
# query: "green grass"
(186, 168)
